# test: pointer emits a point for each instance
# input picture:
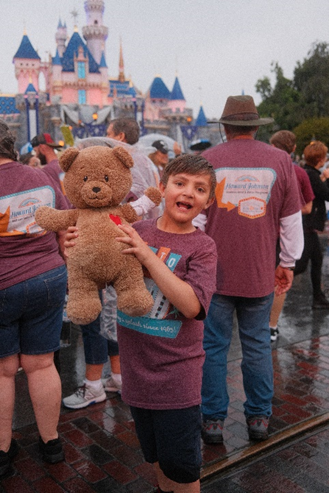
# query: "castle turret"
(27, 65)
(95, 33)
(121, 65)
(61, 36)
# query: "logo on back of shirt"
(17, 211)
(247, 189)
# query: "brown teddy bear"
(96, 181)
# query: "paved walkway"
(102, 451)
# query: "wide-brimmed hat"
(44, 139)
(241, 111)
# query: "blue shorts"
(173, 438)
(31, 314)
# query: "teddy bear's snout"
(96, 189)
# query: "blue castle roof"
(177, 93)
(103, 61)
(26, 50)
(159, 90)
(201, 120)
(73, 49)
(8, 105)
(30, 88)
(122, 88)
(56, 59)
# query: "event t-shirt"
(161, 353)
(256, 187)
(26, 250)
(304, 184)
(54, 170)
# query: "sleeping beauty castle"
(79, 94)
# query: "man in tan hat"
(256, 197)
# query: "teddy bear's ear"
(124, 156)
(67, 158)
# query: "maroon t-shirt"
(256, 187)
(161, 353)
(25, 249)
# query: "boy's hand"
(134, 242)
(71, 234)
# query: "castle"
(79, 93)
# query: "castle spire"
(122, 77)
(95, 33)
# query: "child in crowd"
(161, 353)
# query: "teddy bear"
(96, 181)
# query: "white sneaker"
(84, 396)
(113, 384)
(274, 334)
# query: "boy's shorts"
(172, 438)
(31, 314)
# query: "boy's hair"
(284, 140)
(192, 165)
(128, 126)
(314, 152)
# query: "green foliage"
(305, 97)
(312, 129)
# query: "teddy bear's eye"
(85, 178)
(106, 178)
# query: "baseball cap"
(161, 146)
(44, 139)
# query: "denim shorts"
(31, 314)
(171, 437)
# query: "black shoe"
(52, 451)
(6, 457)
(320, 302)
(258, 427)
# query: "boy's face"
(186, 196)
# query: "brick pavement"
(103, 454)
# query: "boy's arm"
(178, 292)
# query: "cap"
(161, 146)
(44, 139)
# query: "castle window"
(81, 70)
(82, 96)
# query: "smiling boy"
(161, 353)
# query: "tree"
(312, 129)
(290, 102)
(311, 81)
(280, 102)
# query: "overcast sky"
(217, 47)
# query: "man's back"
(256, 187)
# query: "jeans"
(253, 320)
(97, 348)
(31, 314)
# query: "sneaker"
(274, 334)
(84, 396)
(51, 451)
(112, 384)
(258, 427)
(212, 431)
(6, 457)
(320, 302)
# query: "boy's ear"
(209, 203)
(162, 188)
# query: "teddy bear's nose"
(96, 189)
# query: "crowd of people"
(236, 223)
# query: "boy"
(161, 354)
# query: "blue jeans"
(97, 348)
(253, 320)
(31, 314)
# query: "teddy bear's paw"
(83, 312)
(135, 304)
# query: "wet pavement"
(103, 453)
